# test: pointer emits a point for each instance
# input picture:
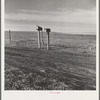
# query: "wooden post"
(48, 38)
(48, 41)
(42, 38)
(39, 42)
(39, 39)
(9, 35)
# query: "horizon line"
(77, 33)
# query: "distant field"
(70, 64)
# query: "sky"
(59, 15)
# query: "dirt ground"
(70, 64)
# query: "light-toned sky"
(59, 15)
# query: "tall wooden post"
(48, 41)
(39, 42)
(39, 39)
(9, 35)
(42, 39)
(48, 38)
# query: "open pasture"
(70, 64)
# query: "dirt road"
(35, 69)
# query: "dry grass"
(70, 64)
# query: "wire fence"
(69, 41)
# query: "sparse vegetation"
(68, 65)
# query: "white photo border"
(48, 95)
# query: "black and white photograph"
(50, 45)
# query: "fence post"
(9, 35)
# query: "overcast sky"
(59, 15)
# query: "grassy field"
(70, 64)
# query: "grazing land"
(70, 64)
